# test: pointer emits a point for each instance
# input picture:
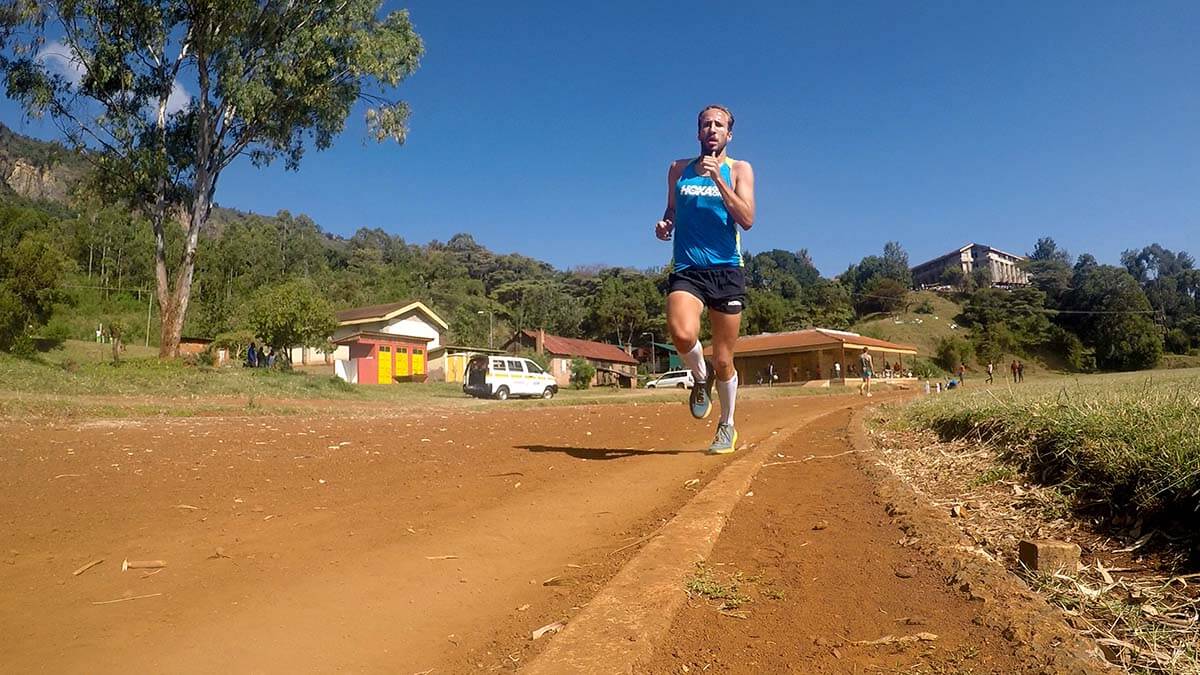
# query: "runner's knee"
(724, 366)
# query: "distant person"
(866, 366)
(271, 358)
(989, 371)
(837, 370)
(708, 199)
(962, 373)
(953, 383)
(251, 356)
(771, 376)
(1013, 368)
(1020, 371)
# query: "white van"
(504, 376)
(679, 379)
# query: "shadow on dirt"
(601, 453)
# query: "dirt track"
(313, 544)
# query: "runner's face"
(714, 132)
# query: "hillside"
(37, 170)
(914, 328)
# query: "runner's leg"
(725, 329)
(683, 320)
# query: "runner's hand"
(663, 229)
(710, 167)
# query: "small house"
(383, 344)
(614, 366)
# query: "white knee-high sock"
(694, 360)
(727, 390)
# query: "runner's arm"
(739, 199)
(664, 227)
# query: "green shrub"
(582, 372)
(1178, 342)
(925, 369)
(926, 307)
(952, 351)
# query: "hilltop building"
(1004, 267)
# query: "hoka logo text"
(699, 191)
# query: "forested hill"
(69, 262)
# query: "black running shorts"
(721, 289)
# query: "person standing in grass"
(708, 198)
(1013, 368)
(962, 373)
(989, 372)
(1020, 371)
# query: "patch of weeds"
(1055, 504)
(772, 593)
(704, 584)
(995, 475)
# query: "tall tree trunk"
(203, 187)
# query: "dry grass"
(1139, 595)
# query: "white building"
(1003, 267)
(402, 319)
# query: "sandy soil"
(436, 544)
(307, 543)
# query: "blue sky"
(546, 128)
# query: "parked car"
(679, 379)
(500, 377)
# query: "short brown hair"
(716, 107)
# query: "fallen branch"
(132, 597)
(549, 628)
(441, 557)
(87, 567)
(142, 565)
(635, 543)
(892, 639)
(67, 475)
(810, 458)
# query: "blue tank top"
(705, 233)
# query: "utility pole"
(149, 307)
(653, 353)
(491, 315)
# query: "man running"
(707, 199)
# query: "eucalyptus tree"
(163, 95)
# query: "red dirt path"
(302, 544)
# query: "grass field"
(1126, 441)
(80, 381)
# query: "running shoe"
(700, 400)
(725, 442)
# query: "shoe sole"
(726, 451)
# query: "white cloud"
(59, 57)
(179, 98)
